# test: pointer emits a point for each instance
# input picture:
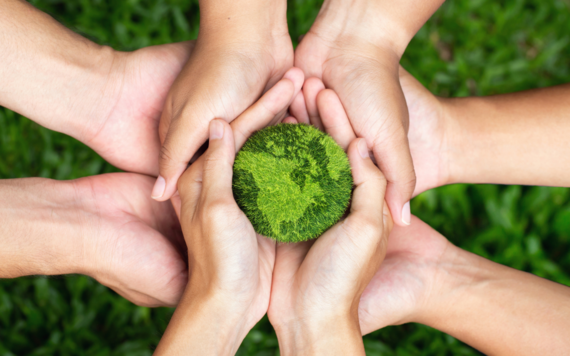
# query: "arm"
(500, 310)
(354, 47)
(519, 138)
(231, 266)
(494, 308)
(39, 228)
(109, 100)
(103, 226)
(50, 74)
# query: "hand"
(231, 266)
(126, 135)
(131, 243)
(241, 52)
(409, 278)
(428, 133)
(109, 100)
(103, 226)
(365, 77)
(316, 289)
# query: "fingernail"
(159, 187)
(363, 148)
(406, 214)
(216, 130)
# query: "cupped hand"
(316, 287)
(427, 134)
(365, 77)
(228, 71)
(227, 259)
(132, 244)
(126, 134)
(407, 280)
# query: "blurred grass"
(469, 47)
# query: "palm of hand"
(362, 80)
(244, 267)
(128, 136)
(426, 135)
(136, 251)
(405, 280)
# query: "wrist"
(239, 21)
(206, 324)
(386, 24)
(456, 275)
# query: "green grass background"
(469, 47)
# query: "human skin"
(516, 138)
(426, 279)
(243, 49)
(109, 100)
(317, 285)
(104, 226)
(496, 309)
(229, 288)
(354, 47)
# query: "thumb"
(218, 163)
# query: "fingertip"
(159, 188)
(296, 76)
(298, 109)
(290, 120)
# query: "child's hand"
(235, 60)
(317, 286)
(230, 265)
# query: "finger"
(183, 139)
(290, 120)
(266, 108)
(288, 259)
(189, 190)
(311, 89)
(296, 76)
(218, 163)
(395, 161)
(367, 207)
(334, 118)
(299, 110)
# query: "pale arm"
(50, 74)
(497, 309)
(519, 138)
(40, 229)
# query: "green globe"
(292, 181)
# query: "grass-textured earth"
(292, 181)
(469, 47)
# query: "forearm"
(48, 73)
(519, 138)
(39, 231)
(499, 310)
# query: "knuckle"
(166, 157)
(216, 210)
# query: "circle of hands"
(162, 107)
(150, 257)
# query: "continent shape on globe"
(292, 181)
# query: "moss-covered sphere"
(292, 181)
